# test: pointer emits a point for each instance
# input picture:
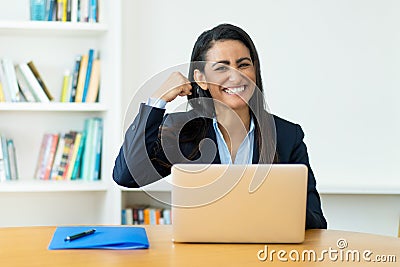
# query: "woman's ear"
(200, 79)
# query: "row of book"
(23, 82)
(73, 155)
(82, 84)
(8, 160)
(65, 10)
(145, 215)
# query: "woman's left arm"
(314, 215)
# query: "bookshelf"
(52, 46)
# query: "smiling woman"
(228, 122)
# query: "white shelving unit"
(53, 47)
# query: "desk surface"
(27, 246)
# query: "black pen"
(76, 236)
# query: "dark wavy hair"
(265, 127)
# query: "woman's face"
(230, 74)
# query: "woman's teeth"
(234, 90)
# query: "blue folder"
(105, 237)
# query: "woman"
(227, 124)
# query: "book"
(70, 154)
(78, 160)
(2, 164)
(24, 86)
(94, 84)
(38, 9)
(74, 10)
(2, 97)
(69, 10)
(88, 74)
(51, 14)
(84, 10)
(104, 237)
(5, 157)
(71, 163)
(41, 155)
(69, 140)
(66, 87)
(57, 157)
(75, 76)
(36, 89)
(88, 150)
(81, 78)
(13, 160)
(97, 145)
(38, 77)
(4, 85)
(11, 79)
(51, 156)
(93, 11)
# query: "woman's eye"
(244, 65)
(220, 68)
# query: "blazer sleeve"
(139, 161)
(314, 215)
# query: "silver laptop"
(239, 203)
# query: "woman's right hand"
(176, 85)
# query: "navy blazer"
(150, 158)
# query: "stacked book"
(65, 10)
(73, 155)
(82, 84)
(8, 160)
(145, 215)
(23, 82)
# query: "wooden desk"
(27, 246)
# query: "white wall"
(331, 66)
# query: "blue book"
(38, 10)
(104, 237)
(88, 74)
(97, 149)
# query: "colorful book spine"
(88, 74)
(71, 164)
(77, 165)
(88, 151)
(50, 160)
(66, 87)
(33, 83)
(94, 84)
(24, 86)
(57, 158)
(98, 140)
(81, 78)
(40, 80)
(75, 77)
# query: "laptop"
(217, 203)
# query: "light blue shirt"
(244, 155)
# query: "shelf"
(359, 189)
(51, 186)
(154, 187)
(23, 106)
(51, 27)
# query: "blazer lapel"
(212, 136)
